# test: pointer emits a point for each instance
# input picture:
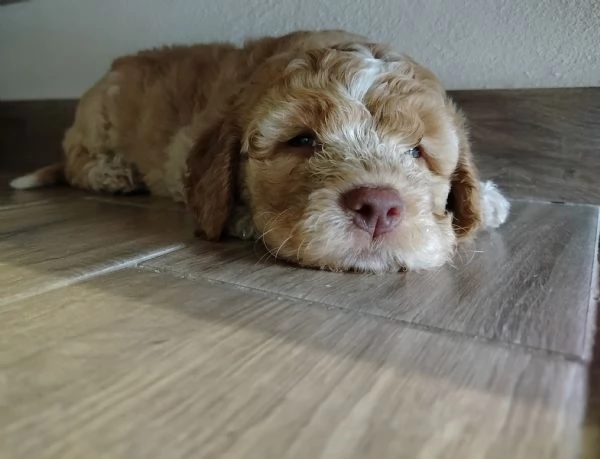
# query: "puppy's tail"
(46, 176)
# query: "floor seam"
(143, 205)
(552, 202)
(547, 353)
(594, 302)
(74, 280)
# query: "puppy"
(335, 151)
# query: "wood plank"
(538, 143)
(10, 198)
(158, 204)
(18, 198)
(527, 283)
(144, 365)
(591, 432)
(57, 242)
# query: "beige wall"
(56, 48)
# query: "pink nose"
(375, 210)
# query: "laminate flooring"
(123, 336)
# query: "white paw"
(494, 206)
(25, 182)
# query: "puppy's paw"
(240, 224)
(494, 206)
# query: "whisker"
(300, 248)
(282, 244)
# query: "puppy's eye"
(415, 152)
(303, 141)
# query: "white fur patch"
(494, 205)
(25, 182)
(365, 78)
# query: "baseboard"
(31, 132)
(535, 143)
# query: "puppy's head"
(352, 158)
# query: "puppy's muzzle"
(375, 210)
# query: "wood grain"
(538, 143)
(46, 244)
(591, 432)
(143, 365)
(238, 356)
(528, 283)
(19, 198)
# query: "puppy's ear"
(464, 197)
(210, 186)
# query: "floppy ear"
(210, 185)
(464, 197)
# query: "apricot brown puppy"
(335, 151)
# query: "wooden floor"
(122, 336)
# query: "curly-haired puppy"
(335, 151)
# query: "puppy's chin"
(333, 243)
